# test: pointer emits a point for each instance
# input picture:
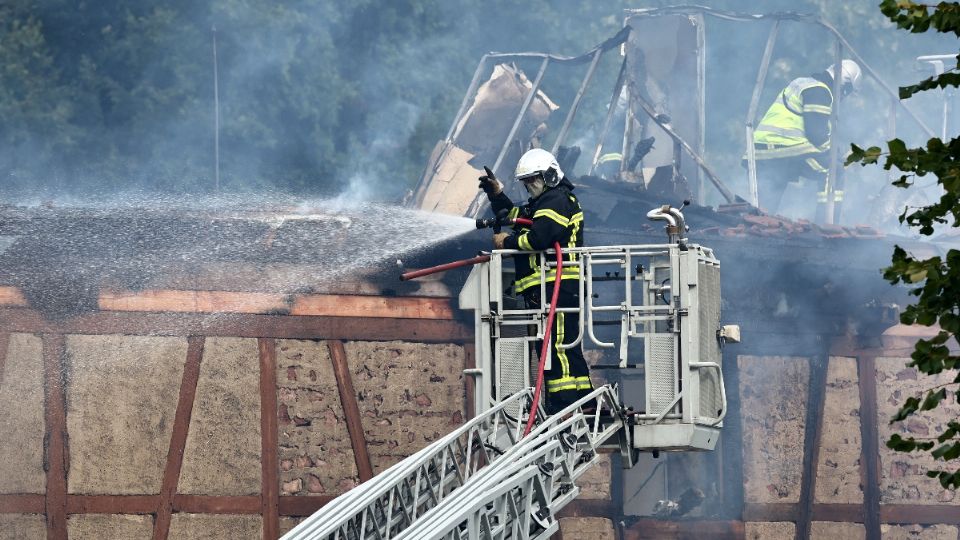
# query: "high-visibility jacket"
(780, 133)
(557, 217)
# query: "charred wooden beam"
(240, 325)
(26, 503)
(112, 504)
(870, 445)
(303, 506)
(178, 440)
(351, 409)
(269, 436)
(56, 460)
(812, 435)
(648, 528)
(208, 504)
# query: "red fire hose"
(546, 340)
(443, 267)
(545, 348)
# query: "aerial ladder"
(487, 480)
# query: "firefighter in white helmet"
(557, 217)
(793, 138)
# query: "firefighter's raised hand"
(498, 240)
(489, 183)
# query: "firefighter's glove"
(498, 240)
(489, 183)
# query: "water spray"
(495, 223)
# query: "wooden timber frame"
(57, 504)
(424, 320)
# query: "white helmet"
(539, 161)
(850, 76)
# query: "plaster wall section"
(918, 532)
(835, 529)
(315, 452)
(121, 401)
(222, 455)
(595, 481)
(773, 401)
(21, 400)
(214, 527)
(409, 394)
(288, 523)
(838, 468)
(903, 477)
(593, 528)
(23, 527)
(769, 530)
(100, 526)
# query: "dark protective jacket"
(557, 217)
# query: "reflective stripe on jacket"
(781, 133)
(557, 217)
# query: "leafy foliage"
(935, 281)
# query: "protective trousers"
(568, 378)
(773, 175)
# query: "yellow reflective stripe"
(523, 242)
(613, 156)
(822, 109)
(546, 212)
(789, 151)
(514, 212)
(786, 132)
(566, 380)
(561, 353)
(569, 383)
(837, 196)
(815, 165)
(523, 284)
(576, 220)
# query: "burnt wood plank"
(240, 325)
(56, 451)
(870, 445)
(920, 514)
(178, 440)
(112, 504)
(26, 503)
(812, 435)
(270, 475)
(211, 504)
(770, 512)
(351, 410)
(650, 528)
(303, 506)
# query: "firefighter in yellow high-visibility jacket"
(793, 138)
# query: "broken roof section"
(652, 136)
(476, 139)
